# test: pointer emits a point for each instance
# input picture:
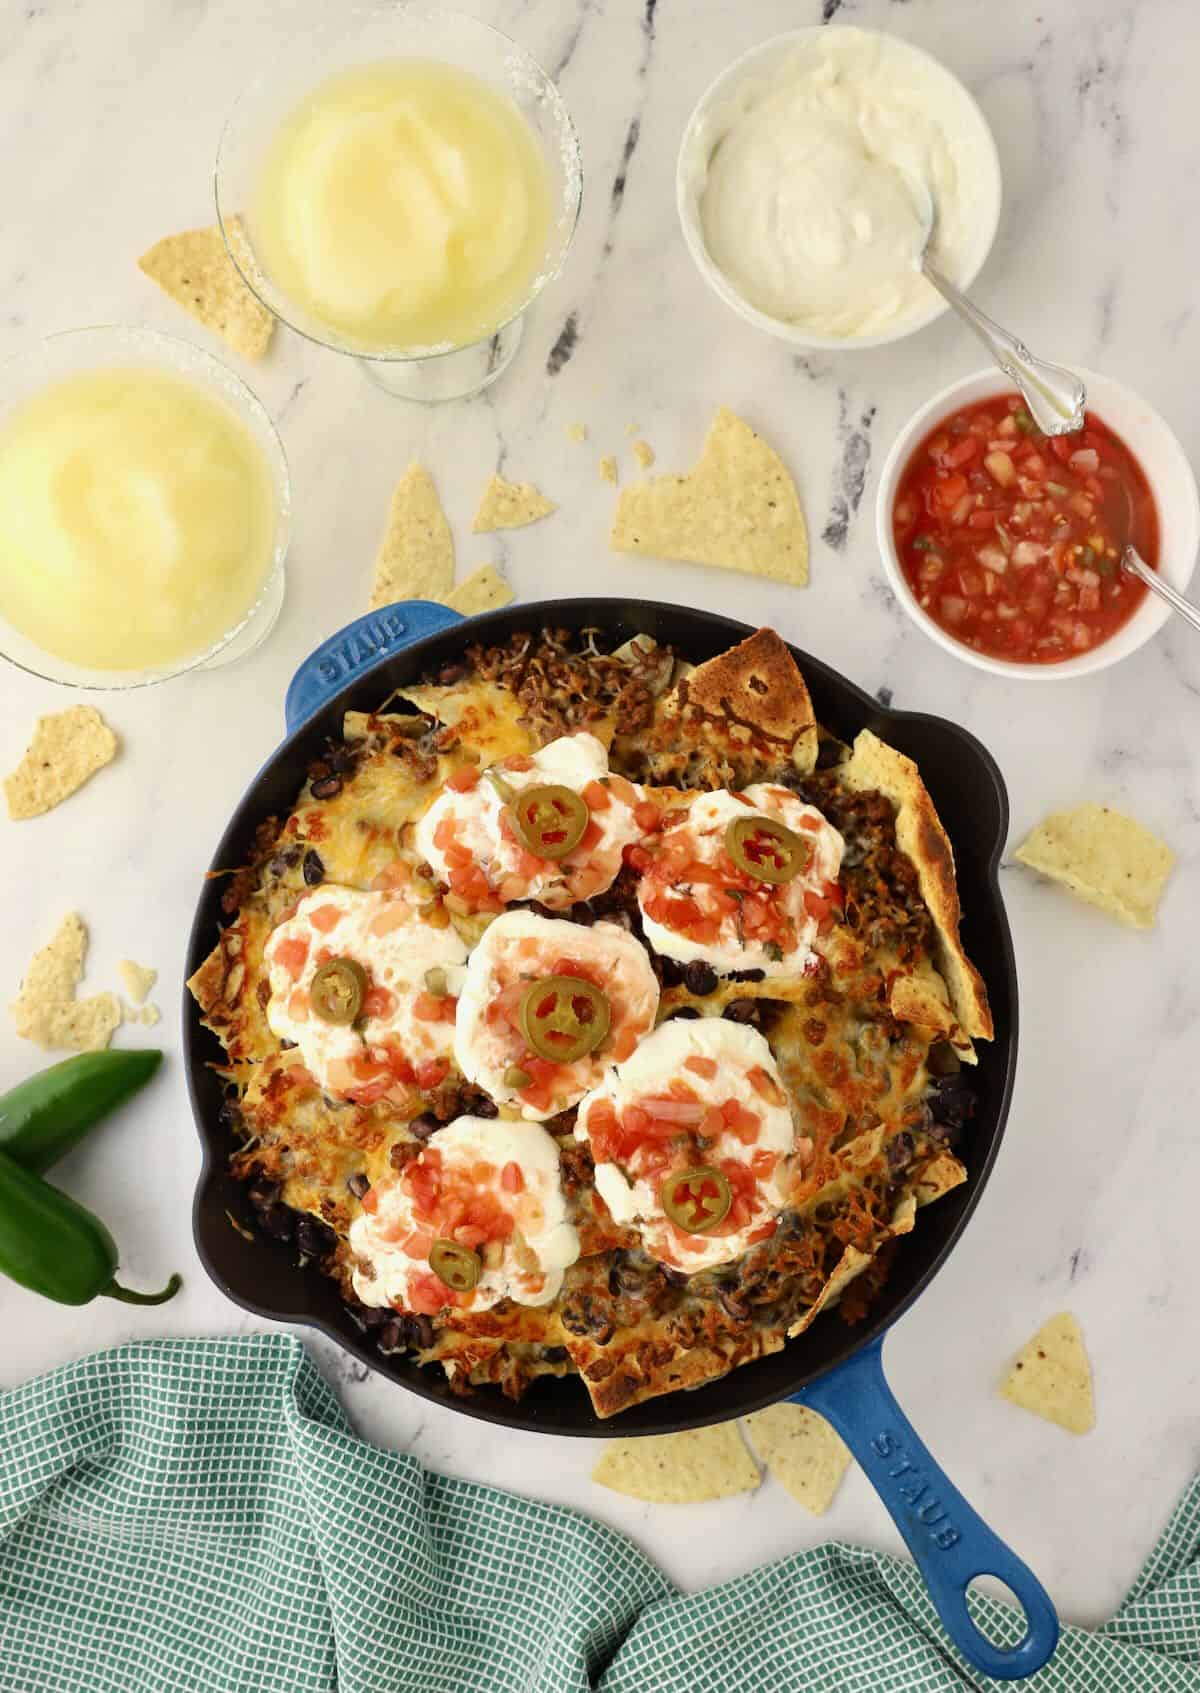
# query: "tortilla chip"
(737, 509)
(1053, 1378)
(850, 1265)
(416, 557)
(149, 1015)
(802, 1451)
(643, 452)
(680, 1469)
(136, 979)
(608, 469)
(1105, 858)
(510, 505)
(67, 747)
(757, 683)
(195, 269)
(921, 837)
(483, 590)
(46, 1010)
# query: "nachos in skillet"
(598, 1014)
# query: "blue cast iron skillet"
(834, 1368)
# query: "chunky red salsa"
(1010, 539)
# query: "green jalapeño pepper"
(52, 1246)
(43, 1118)
(697, 1200)
(563, 1017)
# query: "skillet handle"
(359, 647)
(950, 1543)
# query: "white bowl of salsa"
(1003, 544)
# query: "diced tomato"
(596, 797)
(637, 858)
(647, 816)
(432, 1008)
(706, 1067)
(462, 780)
(428, 1294)
(378, 1001)
(291, 954)
(765, 1086)
(370, 1201)
(430, 1073)
(512, 1179)
(325, 917)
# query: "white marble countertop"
(108, 122)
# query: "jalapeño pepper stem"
(127, 1296)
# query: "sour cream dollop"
(705, 1093)
(490, 1187)
(518, 949)
(468, 839)
(405, 1033)
(697, 904)
(804, 192)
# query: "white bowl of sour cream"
(793, 186)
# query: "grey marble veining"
(108, 124)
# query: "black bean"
(314, 1238)
(391, 1338)
(421, 1331)
(699, 978)
(279, 1221)
(328, 788)
(746, 975)
(318, 770)
(278, 865)
(685, 1014)
(484, 1107)
(373, 1316)
(358, 1184)
(829, 752)
(581, 912)
(555, 1354)
(424, 1125)
(676, 1278)
(624, 1277)
(669, 969)
(230, 1114)
(900, 1152)
(285, 1044)
(314, 868)
(743, 1011)
(952, 1101)
(262, 1193)
(449, 674)
(342, 759)
(291, 856)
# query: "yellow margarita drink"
(404, 204)
(137, 519)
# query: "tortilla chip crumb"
(737, 509)
(680, 1469)
(136, 979)
(1052, 1376)
(577, 432)
(416, 556)
(510, 505)
(608, 469)
(46, 1010)
(632, 428)
(643, 452)
(483, 590)
(1102, 857)
(67, 748)
(802, 1451)
(195, 269)
(149, 1015)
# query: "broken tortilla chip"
(46, 1010)
(1053, 1378)
(195, 269)
(1103, 857)
(136, 979)
(483, 590)
(680, 1469)
(643, 452)
(510, 505)
(802, 1451)
(416, 557)
(608, 469)
(738, 509)
(577, 432)
(67, 747)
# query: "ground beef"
(565, 681)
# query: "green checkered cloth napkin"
(196, 1514)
